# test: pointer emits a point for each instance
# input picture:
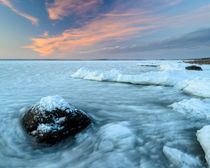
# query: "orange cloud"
(110, 28)
(30, 18)
(60, 8)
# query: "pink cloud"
(30, 18)
(111, 28)
(61, 8)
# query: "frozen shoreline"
(132, 123)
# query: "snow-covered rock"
(203, 136)
(53, 119)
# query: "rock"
(193, 67)
(53, 119)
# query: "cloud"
(30, 18)
(173, 2)
(196, 39)
(45, 34)
(100, 31)
(61, 8)
(118, 27)
(159, 4)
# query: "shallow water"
(137, 110)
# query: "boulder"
(193, 67)
(53, 119)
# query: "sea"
(145, 114)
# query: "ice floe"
(194, 83)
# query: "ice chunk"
(197, 87)
(203, 136)
(180, 159)
(194, 107)
(84, 73)
(116, 135)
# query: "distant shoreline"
(199, 61)
(81, 59)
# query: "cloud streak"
(108, 29)
(30, 18)
(196, 39)
(61, 8)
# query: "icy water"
(145, 113)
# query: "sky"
(104, 29)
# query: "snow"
(45, 128)
(197, 108)
(51, 103)
(60, 120)
(181, 159)
(203, 136)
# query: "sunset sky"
(104, 29)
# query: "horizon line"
(97, 59)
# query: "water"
(137, 111)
